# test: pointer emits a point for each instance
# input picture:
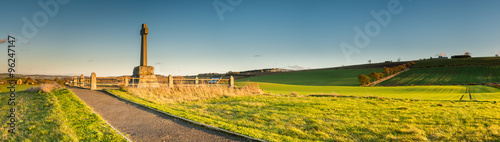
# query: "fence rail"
(93, 82)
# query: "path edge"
(92, 109)
(187, 120)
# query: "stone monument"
(143, 74)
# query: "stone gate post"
(93, 81)
(170, 81)
(231, 82)
(75, 81)
(196, 81)
(82, 81)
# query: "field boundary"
(187, 120)
(386, 78)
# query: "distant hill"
(365, 66)
(458, 62)
(4, 76)
(425, 72)
(335, 76)
(323, 77)
(450, 72)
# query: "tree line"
(363, 79)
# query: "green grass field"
(340, 77)
(286, 118)
(55, 116)
(458, 62)
(447, 75)
(447, 72)
(288, 112)
(479, 92)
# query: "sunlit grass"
(479, 92)
(302, 118)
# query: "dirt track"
(141, 124)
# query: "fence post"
(93, 81)
(196, 81)
(82, 81)
(75, 81)
(126, 81)
(170, 81)
(79, 82)
(231, 82)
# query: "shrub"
(363, 79)
(387, 71)
(403, 108)
(44, 88)
(191, 93)
(294, 94)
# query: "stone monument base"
(144, 76)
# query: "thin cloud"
(442, 54)
(158, 63)
(296, 67)
(257, 55)
(90, 61)
(3, 41)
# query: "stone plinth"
(144, 76)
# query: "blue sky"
(188, 37)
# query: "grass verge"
(55, 116)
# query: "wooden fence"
(93, 82)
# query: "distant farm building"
(466, 55)
(441, 57)
(460, 56)
(259, 72)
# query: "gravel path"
(141, 124)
